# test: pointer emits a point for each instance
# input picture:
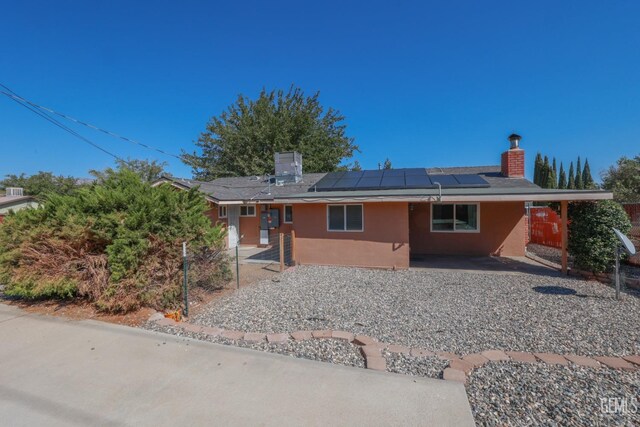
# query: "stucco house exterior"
(15, 200)
(385, 218)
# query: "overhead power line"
(15, 97)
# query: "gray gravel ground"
(457, 311)
(539, 394)
(431, 367)
(327, 350)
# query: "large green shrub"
(116, 243)
(591, 239)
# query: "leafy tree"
(537, 170)
(41, 184)
(387, 164)
(578, 180)
(147, 170)
(591, 239)
(571, 185)
(356, 166)
(242, 140)
(562, 179)
(115, 243)
(587, 179)
(624, 179)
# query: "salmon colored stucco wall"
(502, 232)
(383, 243)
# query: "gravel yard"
(539, 394)
(457, 311)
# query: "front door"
(233, 229)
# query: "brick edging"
(458, 369)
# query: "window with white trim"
(345, 218)
(222, 211)
(288, 214)
(455, 217)
(247, 210)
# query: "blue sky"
(423, 83)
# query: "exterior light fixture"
(514, 139)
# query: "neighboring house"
(15, 200)
(384, 218)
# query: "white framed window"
(288, 214)
(455, 218)
(248, 210)
(345, 218)
(222, 211)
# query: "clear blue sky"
(424, 83)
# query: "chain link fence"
(279, 250)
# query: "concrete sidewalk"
(59, 372)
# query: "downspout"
(439, 191)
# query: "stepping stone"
(393, 348)
(301, 335)
(322, 334)
(521, 356)
(495, 355)
(421, 352)
(342, 335)
(461, 365)
(377, 363)
(475, 359)
(232, 335)
(582, 360)
(551, 358)
(371, 351)
(447, 355)
(277, 338)
(254, 337)
(364, 340)
(616, 363)
(451, 374)
(633, 359)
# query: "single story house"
(15, 200)
(384, 218)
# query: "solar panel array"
(395, 179)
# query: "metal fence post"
(293, 248)
(237, 269)
(185, 289)
(281, 252)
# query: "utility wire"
(60, 125)
(14, 96)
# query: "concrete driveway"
(59, 372)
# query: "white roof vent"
(15, 191)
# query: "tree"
(578, 180)
(587, 179)
(537, 169)
(242, 140)
(356, 166)
(552, 180)
(571, 185)
(544, 173)
(562, 179)
(591, 239)
(624, 179)
(148, 170)
(387, 164)
(41, 184)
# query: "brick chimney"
(512, 161)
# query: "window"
(288, 214)
(222, 211)
(345, 218)
(247, 210)
(454, 218)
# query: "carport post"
(563, 215)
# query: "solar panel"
(392, 182)
(444, 180)
(393, 172)
(372, 174)
(352, 174)
(418, 181)
(415, 171)
(369, 183)
(468, 180)
(346, 183)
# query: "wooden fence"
(545, 227)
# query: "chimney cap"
(514, 139)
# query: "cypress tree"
(571, 185)
(545, 173)
(552, 182)
(562, 179)
(587, 179)
(537, 169)
(579, 182)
